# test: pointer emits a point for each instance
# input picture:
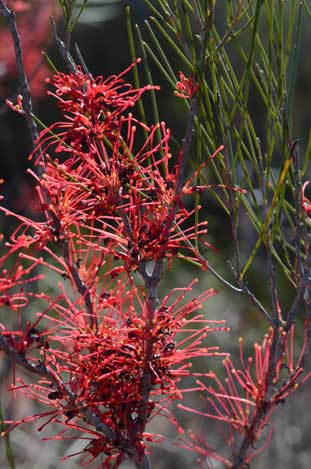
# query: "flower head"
(102, 373)
(187, 87)
(92, 107)
(18, 6)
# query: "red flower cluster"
(110, 204)
(104, 183)
(102, 370)
(92, 108)
(187, 87)
(242, 401)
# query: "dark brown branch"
(23, 82)
(303, 286)
(82, 289)
(242, 289)
(151, 284)
(268, 246)
(240, 455)
(63, 49)
(152, 280)
(302, 266)
(294, 152)
(187, 143)
(82, 61)
(307, 350)
(233, 210)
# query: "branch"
(268, 246)
(24, 85)
(304, 284)
(82, 289)
(233, 209)
(187, 143)
(242, 289)
(63, 49)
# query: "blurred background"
(102, 38)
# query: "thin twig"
(244, 290)
(268, 245)
(233, 209)
(23, 82)
(82, 61)
(28, 112)
(63, 49)
(82, 289)
(187, 143)
(303, 287)
(143, 411)
(307, 301)
(152, 281)
(230, 32)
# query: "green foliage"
(243, 56)
(72, 11)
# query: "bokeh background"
(102, 39)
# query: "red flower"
(187, 87)
(242, 402)
(92, 107)
(124, 194)
(103, 371)
(110, 357)
(18, 6)
(305, 202)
